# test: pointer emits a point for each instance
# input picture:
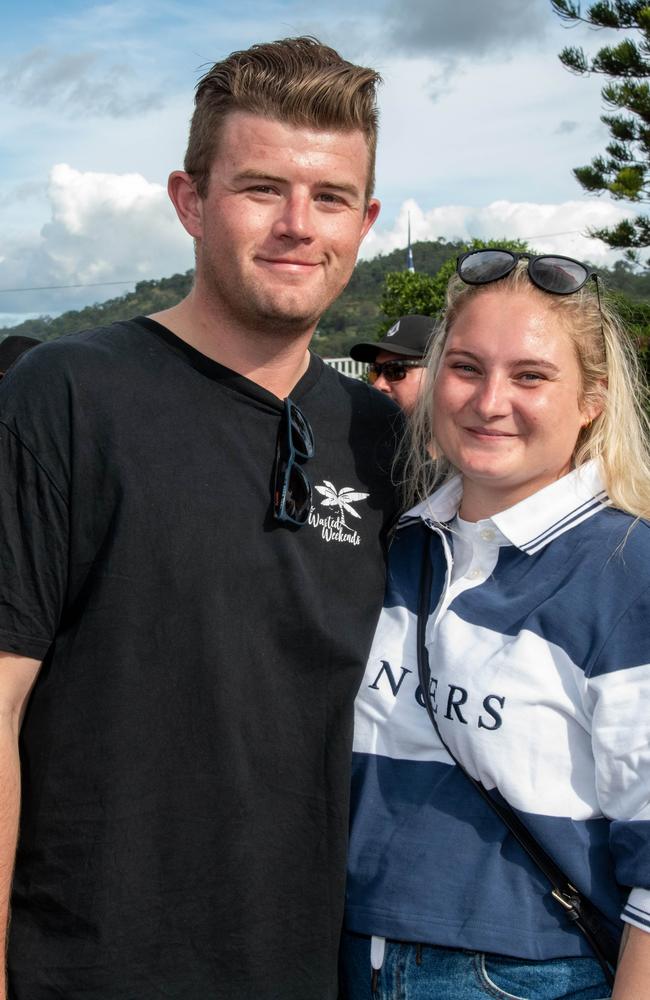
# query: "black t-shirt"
(185, 751)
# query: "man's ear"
(186, 201)
(372, 211)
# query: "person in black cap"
(397, 361)
(11, 348)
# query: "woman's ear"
(594, 406)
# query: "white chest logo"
(333, 527)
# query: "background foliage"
(624, 170)
(379, 291)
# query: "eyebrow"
(519, 363)
(261, 175)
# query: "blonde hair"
(618, 438)
(296, 80)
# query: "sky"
(480, 129)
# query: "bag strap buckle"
(567, 900)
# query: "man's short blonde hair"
(296, 80)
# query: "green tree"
(406, 293)
(624, 170)
(636, 316)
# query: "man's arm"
(17, 676)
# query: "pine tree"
(624, 171)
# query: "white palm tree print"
(340, 498)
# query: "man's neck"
(275, 362)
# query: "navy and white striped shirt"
(540, 664)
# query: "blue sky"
(480, 128)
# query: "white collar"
(534, 522)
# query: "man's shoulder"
(50, 382)
(76, 357)
(89, 342)
(362, 396)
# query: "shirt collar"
(534, 522)
(441, 506)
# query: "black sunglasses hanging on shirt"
(291, 487)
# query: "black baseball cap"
(408, 336)
(11, 349)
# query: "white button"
(474, 574)
(487, 535)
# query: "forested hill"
(355, 316)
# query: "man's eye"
(530, 377)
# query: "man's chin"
(288, 318)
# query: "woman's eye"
(530, 377)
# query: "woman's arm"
(633, 973)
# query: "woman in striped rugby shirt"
(533, 518)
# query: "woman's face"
(507, 409)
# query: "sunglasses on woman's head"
(550, 272)
(393, 371)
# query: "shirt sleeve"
(620, 694)
(34, 545)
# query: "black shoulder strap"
(578, 909)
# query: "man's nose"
(294, 220)
(382, 383)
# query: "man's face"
(405, 391)
(279, 229)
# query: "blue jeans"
(431, 973)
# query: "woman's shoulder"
(618, 526)
(613, 553)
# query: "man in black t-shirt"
(194, 513)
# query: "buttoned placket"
(484, 541)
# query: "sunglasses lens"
(292, 493)
(558, 274)
(395, 372)
(302, 437)
(291, 488)
(484, 266)
(298, 498)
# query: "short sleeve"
(620, 689)
(34, 544)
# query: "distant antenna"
(410, 266)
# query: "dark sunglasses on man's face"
(550, 272)
(393, 371)
(291, 487)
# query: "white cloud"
(107, 227)
(552, 228)
(103, 227)
(81, 201)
